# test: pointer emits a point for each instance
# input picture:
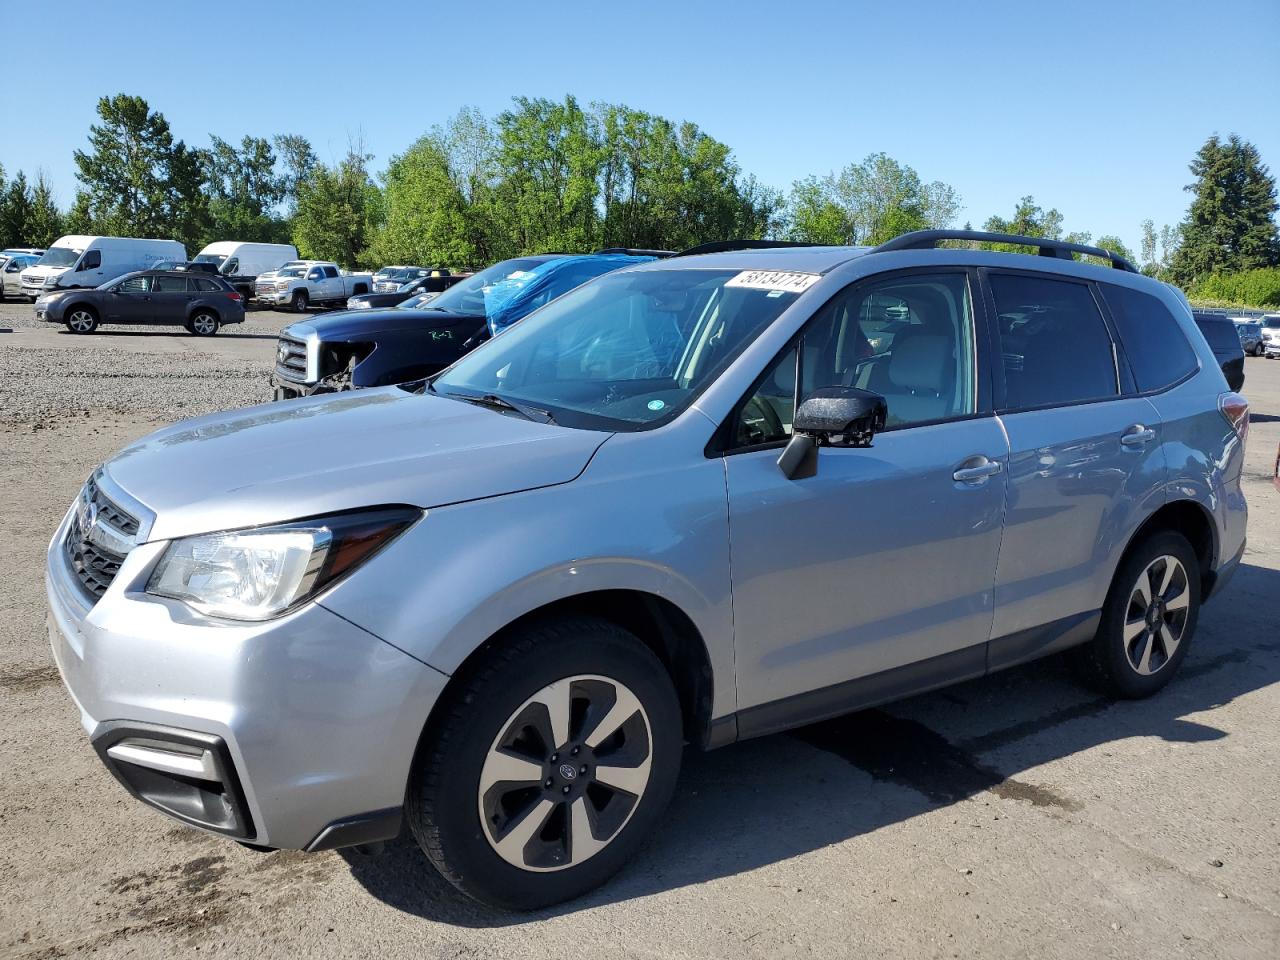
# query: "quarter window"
(1056, 346)
(1157, 349)
(205, 286)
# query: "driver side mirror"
(831, 417)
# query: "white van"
(79, 261)
(246, 259)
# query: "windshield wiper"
(495, 402)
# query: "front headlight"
(259, 573)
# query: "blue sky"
(1095, 109)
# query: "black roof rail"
(634, 252)
(723, 246)
(1059, 249)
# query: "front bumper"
(1272, 348)
(301, 725)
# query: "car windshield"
(625, 352)
(210, 258)
(292, 272)
(467, 296)
(1271, 323)
(60, 257)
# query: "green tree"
(1029, 220)
(868, 203)
(46, 223)
(1231, 224)
(548, 159)
(135, 179)
(425, 211)
(297, 160)
(336, 208)
(16, 211)
(1149, 247)
(244, 189)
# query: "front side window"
(135, 285)
(1157, 350)
(908, 338)
(92, 260)
(625, 351)
(1056, 346)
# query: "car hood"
(350, 325)
(300, 458)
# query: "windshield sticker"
(656, 405)
(780, 280)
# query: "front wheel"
(1149, 618)
(300, 301)
(549, 766)
(82, 320)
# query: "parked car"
(1271, 335)
(391, 279)
(1250, 333)
(370, 348)
(1225, 343)
(7, 252)
(495, 607)
(202, 304)
(311, 283)
(12, 263)
(432, 284)
(80, 262)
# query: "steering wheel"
(758, 408)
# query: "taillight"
(1236, 409)
(235, 295)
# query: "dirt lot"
(1016, 816)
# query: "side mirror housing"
(835, 417)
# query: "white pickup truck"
(310, 283)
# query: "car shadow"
(176, 332)
(763, 801)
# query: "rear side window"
(1056, 346)
(171, 285)
(1157, 349)
(1220, 332)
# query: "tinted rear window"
(205, 286)
(1220, 332)
(1157, 349)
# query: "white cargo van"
(246, 259)
(79, 261)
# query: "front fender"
(470, 569)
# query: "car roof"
(815, 259)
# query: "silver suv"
(1271, 335)
(698, 500)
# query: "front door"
(875, 577)
(130, 300)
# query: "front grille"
(291, 360)
(94, 563)
(265, 288)
(386, 286)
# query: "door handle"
(1137, 436)
(976, 469)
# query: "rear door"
(171, 298)
(1085, 462)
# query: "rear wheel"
(551, 764)
(81, 320)
(1149, 618)
(300, 301)
(204, 324)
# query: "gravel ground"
(1014, 816)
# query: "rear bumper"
(269, 732)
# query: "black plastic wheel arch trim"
(374, 827)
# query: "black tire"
(300, 301)
(445, 800)
(1113, 663)
(204, 323)
(81, 319)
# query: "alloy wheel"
(204, 324)
(1156, 615)
(81, 321)
(565, 773)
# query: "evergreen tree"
(1230, 225)
(16, 212)
(46, 224)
